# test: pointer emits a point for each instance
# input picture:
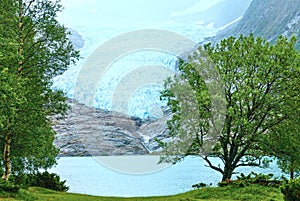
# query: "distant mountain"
(219, 15)
(225, 12)
(267, 19)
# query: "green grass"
(229, 193)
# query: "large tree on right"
(258, 80)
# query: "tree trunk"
(6, 157)
(292, 170)
(227, 173)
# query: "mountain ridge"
(266, 19)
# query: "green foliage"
(255, 178)
(48, 180)
(201, 185)
(234, 183)
(8, 187)
(289, 166)
(291, 190)
(252, 178)
(262, 179)
(45, 180)
(34, 48)
(284, 143)
(260, 85)
(23, 180)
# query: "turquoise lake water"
(86, 175)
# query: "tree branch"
(212, 166)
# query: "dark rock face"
(268, 19)
(86, 131)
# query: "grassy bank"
(229, 193)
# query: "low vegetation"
(251, 192)
(291, 190)
(45, 180)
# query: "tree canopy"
(258, 79)
(284, 143)
(34, 49)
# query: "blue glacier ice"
(132, 82)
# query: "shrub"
(8, 186)
(255, 178)
(200, 185)
(21, 179)
(291, 190)
(236, 183)
(48, 180)
(45, 180)
(252, 178)
(262, 179)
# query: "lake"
(89, 176)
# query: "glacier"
(135, 79)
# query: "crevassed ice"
(142, 72)
(144, 100)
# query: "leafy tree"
(284, 143)
(34, 49)
(258, 80)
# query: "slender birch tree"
(34, 49)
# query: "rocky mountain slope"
(267, 19)
(87, 131)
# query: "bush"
(255, 178)
(45, 180)
(235, 183)
(201, 185)
(252, 178)
(21, 179)
(262, 179)
(48, 180)
(291, 190)
(8, 187)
